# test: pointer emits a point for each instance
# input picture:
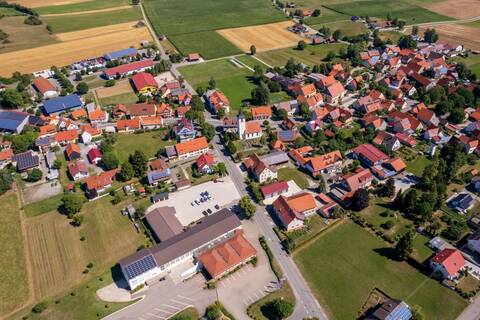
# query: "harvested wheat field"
(455, 34)
(87, 33)
(85, 12)
(76, 46)
(460, 9)
(120, 87)
(44, 3)
(265, 37)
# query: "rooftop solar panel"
(140, 266)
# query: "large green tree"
(139, 163)
(404, 247)
(72, 204)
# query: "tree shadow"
(385, 252)
(267, 311)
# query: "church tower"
(241, 125)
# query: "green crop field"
(326, 16)
(82, 6)
(209, 43)
(346, 263)
(231, 79)
(13, 278)
(347, 28)
(69, 23)
(190, 24)
(311, 55)
(409, 12)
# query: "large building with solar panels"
(157, 261)
(13, 121)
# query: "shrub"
(40, 307)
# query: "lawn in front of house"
(125, 98)
(149, 143)
(255, 309)
(68, 23)
(379, 214)
(13, 275)
(349, 262)
(232, 80)
(312, 55)
(287, 174)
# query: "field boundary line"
(260, 60)
(77, 13)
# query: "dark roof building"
(26, 160)
(129, 52)
(163, 223)
(393, 309)
(62, 104)
(151, 262)
(13, 121)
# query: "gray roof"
(275, 158)
(26, 160)
(164, 223)
(204, 231)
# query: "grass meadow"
(149, 143)
(82, 6)
(349, 262)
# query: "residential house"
(259, 169)
(428, 117)
(470, 144)
(165, 110)
(97, 184)
(181, 111)
(47, 130)
(72, 151)
(327, 205)
(150, 123)
(128, 125)
(184, 130)
(119, 111)
(369, 155)
(292, 211)
(88, 133)
(191, 148)
(274, 189)
(5, 157)
(389, 168)
(387, 140)
(144, 83)
(373, 121)
(205, 163)
(78, 170)
(45, 88)
(289, 106)
(334, 92)
(261, 113)
(327, 163)
(94, 155)
(462, 202)
(392, 309)
(448, 263)
(192, 57)
(344, 191)
(98, 116)
(216, 101)
(142, 110)
(26, 160)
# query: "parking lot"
(192, 204)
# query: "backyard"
(13, 278)
(287, 174)
(312, 55)
(349, 262)
(149, 143)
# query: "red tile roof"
(205, 159)
(71, 148)
(93, 154)
(129, 67)
(274, 188)
(263, 111)
(77, 167)
(370, 152)
(142, 80)
(43, 85)
(6, 154)
(131, 124)
(69, 135)
(102, 180)
(191, 146)
(451, 259)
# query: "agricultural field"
(349, 262)
(42, 3)
(13, 278)
(8, 12)
(327, 16)
(456, 34)
(347, 28)
(233, 80)
(58, 256)
(410, 13)
(82, 6)
(75, 46)
(69, 23)
(459, 9)
(149, 143)
(23, 36)
(121, 87)
(264, 37)
(311, 55)
(187, 21)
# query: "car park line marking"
(154, 315)
(169, 306)
(261, 292)
(176, 301)
(167, 312)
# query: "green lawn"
(13, 278)
(191, 19)
(327, 16)
(82, 6)
(44, 206)
(311, 55)
(124, 98)
(67, 23)
(209, 44)
(394, 36)
(255, 309)
(416, 166)
(149, 143)
(343, 266)
(231, 79)
(408, 12)
(84, 304)
(472, 62)
(287, 174)
(189, 313)
(347, 28)
(379, 212)
(421, 251)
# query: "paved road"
(472, 312)
(307, 305)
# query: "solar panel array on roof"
(120, 53)
(11, 120)
(140, 266)
(62, 103)
(26, 160)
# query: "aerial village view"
(240, 159)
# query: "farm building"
(45, 88)
(13, 121)
(62, 104)
(129, 68)
(119, 54)
(144, 83)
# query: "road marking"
(169, 306)
(176, 301)
(167, 312)
(154, 315)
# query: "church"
(248, 130)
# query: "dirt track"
(459, 9)
(75, 46)
(264, 37)
(44, 3)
